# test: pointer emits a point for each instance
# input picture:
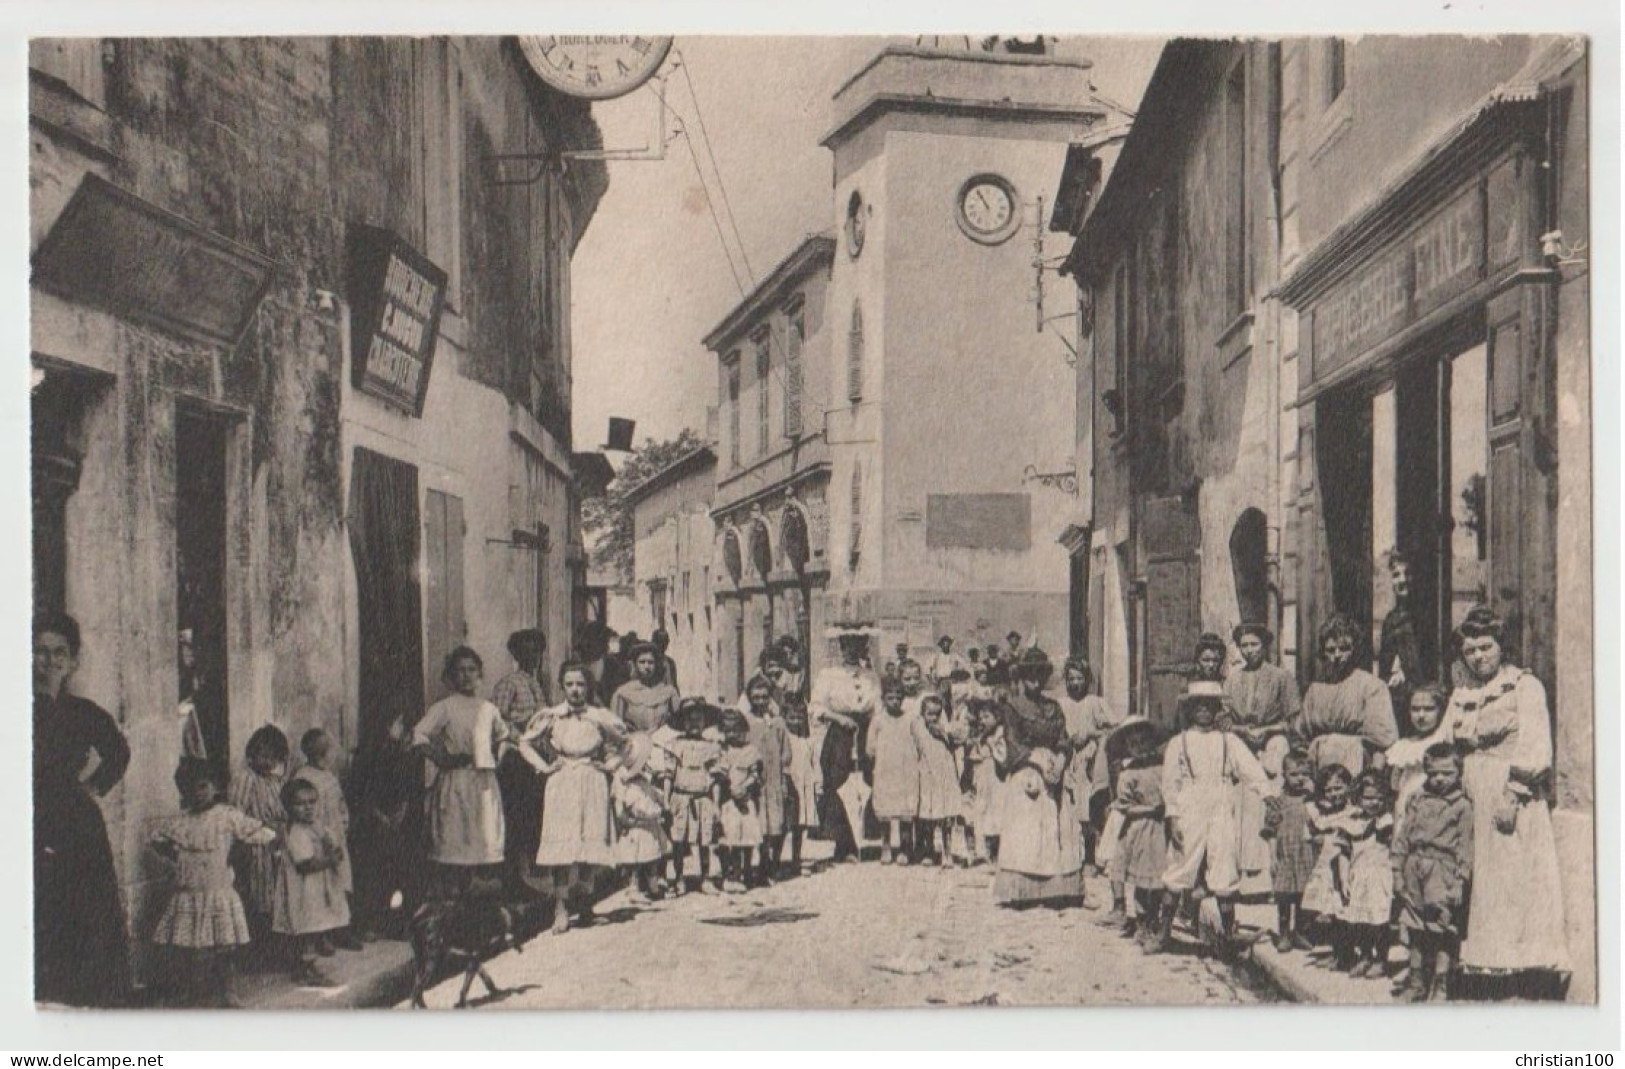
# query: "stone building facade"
(674, 554)
(951, 423)
(302, 380)
(1333, 311)
(771, 510)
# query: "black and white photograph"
(637, 522)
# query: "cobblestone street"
(851, 936)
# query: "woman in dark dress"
(1040, 851)
(844, 699)
(81, 956)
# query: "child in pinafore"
(1142, 843)
(1433, 860)
(739, 802)
(802, 774)
(204, 920)
(1333, 825)
(941, 804)
(640, 814)
(1286, 826)
(1370, 904)
(894, 760)
(332, 814)
(693, 809)
(310, 902)
(257, 790)
(979, 780)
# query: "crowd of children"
(1386, 845)
(969, 763)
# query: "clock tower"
(948, 402)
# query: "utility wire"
(722, 239)
(727, 204)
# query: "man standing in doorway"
(1399, 650)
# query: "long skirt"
(1040, 852)
(521, 808)
(577, 825)
(465, 817)
(1515, 916)
(836, 763)
(80, 954)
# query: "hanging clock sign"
(595, 67)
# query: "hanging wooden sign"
(396, 298)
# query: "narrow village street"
(845, 937)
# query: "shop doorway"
(201, 442)
(384, 526)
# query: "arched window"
(854, 355)
(761, 549)
(793, 536)
(856, 544)
(1249, 563)
(733, 558)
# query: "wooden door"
(444, 625)
(1171, 541)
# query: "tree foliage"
(606, 521)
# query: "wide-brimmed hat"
(1132, 734)
(690, 708)
(636, 754)
(851, 629)
(1034, 664)
(1198, 691)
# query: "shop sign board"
(396, 299)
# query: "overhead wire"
(716, 221)
(722, 187)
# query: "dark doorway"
(1078, 603)
(384, 519)
(1418, 524)
(1343, 465)
(58, 402)
(1249, 566)
(200, 581)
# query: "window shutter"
(854, 356)
(764, 360)
(792, 376)
(856, 544)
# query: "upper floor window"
(855, 547)
(854, 355)
(764, 367)
(1336, 70)
(795, 334)
(1238, 247)
(437, 134)
(733, 410)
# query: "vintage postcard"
(604, 522)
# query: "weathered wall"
(280, 145)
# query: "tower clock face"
(986, 209)
(598, 67)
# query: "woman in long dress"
(461, 735)
(1348, 715)
(1040, 851)
(1501, 719)
(845, 697)
(81, 956)
(576, 746)
(1263, 702)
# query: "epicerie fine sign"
(397, 296)
(1441, 258)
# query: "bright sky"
(650, 278)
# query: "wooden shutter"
(854, 356)
(1171, 539)
(856, 544)
(794, 335)
(764, 366)
(444, 625)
